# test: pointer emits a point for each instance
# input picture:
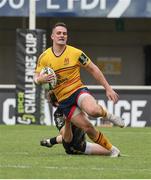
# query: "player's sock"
(49, 142)
(102, 140)
(53, 140)
(103, 112)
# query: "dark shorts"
(69, 105)
(78, 143)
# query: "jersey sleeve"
(84, 60)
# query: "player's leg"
(59, 122)
(65, 133)
(49, 142)
(81, 121)
(88, 104)
(95, 149)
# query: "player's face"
(59, 35)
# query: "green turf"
(21, 157)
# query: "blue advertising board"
(78, 8)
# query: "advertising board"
(78, 8)
(133, 106)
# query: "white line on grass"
(128, 132)
(73, 168)
(15, 153)
(125, 155)
(15, 166)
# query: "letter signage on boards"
(78, 8)
(29, 105)
(133, 106)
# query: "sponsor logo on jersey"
(66, 61)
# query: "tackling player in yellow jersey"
(75, 100)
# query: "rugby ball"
(52, 84)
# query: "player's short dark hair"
(59, 24)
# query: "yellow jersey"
(67, 69)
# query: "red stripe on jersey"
(65, 69)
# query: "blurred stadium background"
(115, 34)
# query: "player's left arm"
(98, 75)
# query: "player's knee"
(95, 111)
(89, 128)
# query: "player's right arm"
(42, 78)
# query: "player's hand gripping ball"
(52, 84)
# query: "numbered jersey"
(67, 69)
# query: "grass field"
(21, 156)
